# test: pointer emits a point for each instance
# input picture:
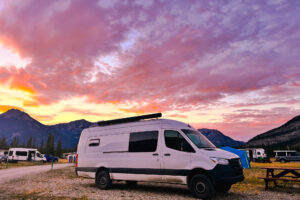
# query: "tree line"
(45, 148)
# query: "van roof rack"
(129, 119)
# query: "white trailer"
(25, 154)
(256, 154)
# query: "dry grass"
(252, 182)
(26, 163)
(21, 164)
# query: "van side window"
(21, 153)
(174, 140)
(143, 141)
(10, 153)
(94, 142)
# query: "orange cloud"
(30, 103)
(4, 108)
(142, 109)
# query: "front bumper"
(227, 174)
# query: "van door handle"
(155, 154)
(167, 154)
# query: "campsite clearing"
(64, 184)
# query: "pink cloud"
(182, 55)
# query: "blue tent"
(241, 153)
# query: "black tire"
(282, 161)
(201, 187)
(223, 188)
(103, 180)
(131, 183)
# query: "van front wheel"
(103, 180)
(201, 187)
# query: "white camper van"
(256, 154)
(25, 154)
(145, 148)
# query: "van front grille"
(236, 165)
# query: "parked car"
(145, 148)
(51, 158)
(3, 158)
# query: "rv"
(147, 148)
(256, 154)
(25, 154)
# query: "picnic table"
(283, 174)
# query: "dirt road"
(9, 174)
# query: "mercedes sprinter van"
(147, 148)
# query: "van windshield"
(198, 139)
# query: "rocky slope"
(288, 133)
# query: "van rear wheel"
(201, 187)
(103, 180)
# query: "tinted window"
(10, 153)
(94, 142)
(21, 153)
(143, 141)
(174, 140)
(281, 154)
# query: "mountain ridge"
(288, 133)
(219, 139)
(18, 123)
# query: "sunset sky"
(228, 65)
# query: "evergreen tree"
(58, 148)
(29, 142)
(14, 142)
(3, 144)
(41, 147)
(34, 145)
(50, 144)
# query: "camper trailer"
(256, 154)
(25, 154)
(147, 148)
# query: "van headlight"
(221, 161)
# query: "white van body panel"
(22, 154)
(162, 165)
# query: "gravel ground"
(12, 173)
(64, 184)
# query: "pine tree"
(3, 144)
(41, 147)
(58, 148)
(29, 142)
(50, 144)
(34, 145)
(14, 142)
